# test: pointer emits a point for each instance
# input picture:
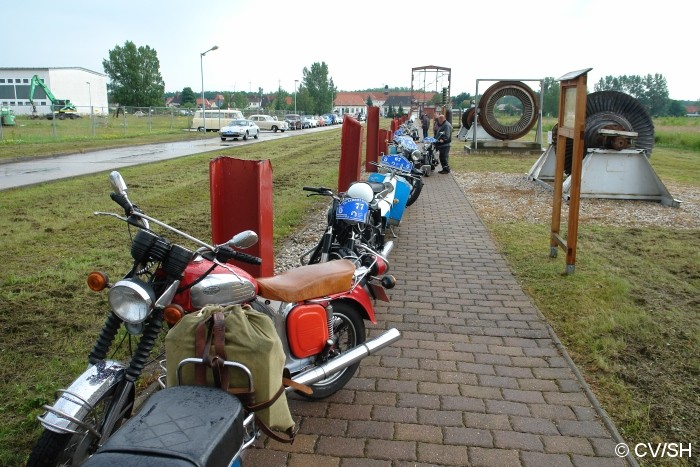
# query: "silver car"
(239, 129)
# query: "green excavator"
(62, 108)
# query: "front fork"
(103, 376)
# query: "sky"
(366, 44)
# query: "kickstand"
(391, 228)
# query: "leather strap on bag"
(201, 350)
(211, 329)
(291, 432)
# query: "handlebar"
(320, 190)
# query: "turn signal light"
(173, 313)
(97, 281)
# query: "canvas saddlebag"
(240, 334)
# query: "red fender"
(360, 296)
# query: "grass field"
(628, 316)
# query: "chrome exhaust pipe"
(348, 358)
(388, 246)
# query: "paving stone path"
(477, 378)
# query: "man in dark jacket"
(443, 134)
(425, 124)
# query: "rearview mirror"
(244, 239)
(118, 183)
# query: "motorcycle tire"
(54, 449)
(416, 188)
(349, 330)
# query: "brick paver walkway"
(476, 378)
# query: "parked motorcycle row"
(319, 311)
(360, 220)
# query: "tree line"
(135, 80)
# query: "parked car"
(268, 122)
(322, 121)
(339, 118)
(309, 121)
(330, 119)
(239, 129)
(294, 121)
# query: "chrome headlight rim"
(132, 300)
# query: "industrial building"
(84, 88)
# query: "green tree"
(134, 75)
(369, 101)
(463, 100)
(650, 91)
(676, 109)
(187, 97)
(320, 87)
(552, 91)
(400, 112)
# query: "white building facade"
(83, 87)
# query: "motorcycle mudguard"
(362, 298)
(67, 413)
(403, 190)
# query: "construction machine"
(63, 108)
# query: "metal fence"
(103, 122)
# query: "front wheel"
(274, 129)
(245, 137)
(53, 449)
(416, 188)
(349, 332)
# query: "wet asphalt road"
(18, 174)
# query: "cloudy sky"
(267, 43)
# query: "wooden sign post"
(571, 126)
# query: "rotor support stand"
(572, 123)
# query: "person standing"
(443, 134)
(425, 124)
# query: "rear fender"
(66, 415)
(359, 296)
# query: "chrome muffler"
(347, 358)
(388, 246)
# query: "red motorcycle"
(319, 312)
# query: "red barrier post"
(372, 138)
(382, 143)
(350, 153)
(241, 199)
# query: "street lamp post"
(201, 70)
(295, 95)
(92, 115)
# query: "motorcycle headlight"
(132, 300)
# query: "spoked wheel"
(57, 449)
(349, 332)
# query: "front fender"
(67, 413)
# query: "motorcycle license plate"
(396, 161)
(352, 210)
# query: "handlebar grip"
(122, 201)
(225, 253)
(320, 190)
(246, 258)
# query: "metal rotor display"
(490, 98)
(613, 110)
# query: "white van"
(215, 119)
